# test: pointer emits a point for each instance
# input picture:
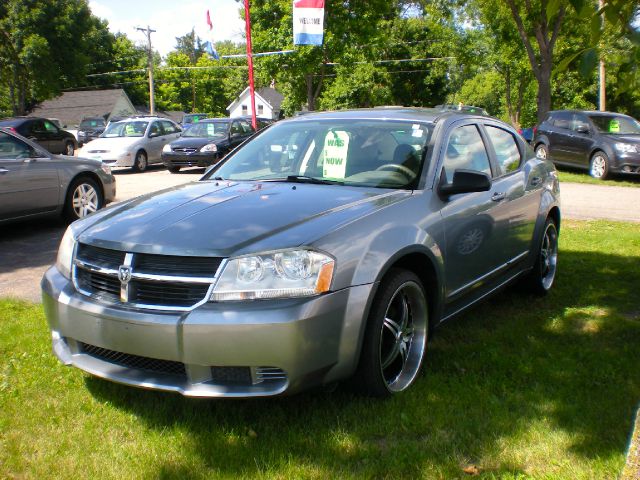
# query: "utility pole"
(601, 72)
(152, 102)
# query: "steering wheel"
(406, 171)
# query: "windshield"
(126, 129)
(373, 153)
(207, 130)
(616, 124)
(92, 123)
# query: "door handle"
(498, 196)
(3, 171)
(535, 181)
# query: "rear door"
(560, 137)
(28, 183)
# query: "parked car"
(134, 142)
(44, 132)
(33, 182)
(90, 128)
(325, 248)
(206, 142)
(600, 142)
(191, 118)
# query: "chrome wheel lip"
(549, 256)
(84, 200)
(598, 166)
(403, 340)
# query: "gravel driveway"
(27, 249)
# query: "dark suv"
(602, 142)
(43, 132)
(90, 128)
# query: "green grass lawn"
(581, 176)
(519, 387)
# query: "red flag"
(209, 21)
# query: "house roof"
(71, 107)
(268, 95)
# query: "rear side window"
(506, 148)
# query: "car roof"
(588, 112)
(417, 114)
(13, 121)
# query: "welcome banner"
(308, 22)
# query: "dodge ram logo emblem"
(124, 274)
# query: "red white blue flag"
(208, 46)
(308, 22)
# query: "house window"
(260, 109)
(244, 109)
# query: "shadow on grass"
(516, 385)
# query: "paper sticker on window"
(210, 129)
(336, 146)
(614, 126)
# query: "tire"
(140, 163)
(173, 169)
(395, 337)
(84, 197)
(599, 165)
(540, 280)
(69, 149)
(542, 151)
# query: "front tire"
(395, 337)
(173, 169)
(599, 166)
(83, 198)
(541, 278)
(140, 163)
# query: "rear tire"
(140, 163)
(173, 169)
(395, 337)
(84, 197)
(540, 280)
(69, 149)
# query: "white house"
(268, 102)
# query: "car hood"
(196, 142)
(113, 144)
(624, 138)
(225, 218)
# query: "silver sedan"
(326, 248)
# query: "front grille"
(166, 367)
(157, 281)
(185, 149)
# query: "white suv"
(133, 142)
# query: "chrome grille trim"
(89, 260)
(269, 374)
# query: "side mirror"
(464, 181)
(582, 129)
(154, 134)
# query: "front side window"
(506, 148)
(373, 153)
(465, 151)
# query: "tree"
(38, 61)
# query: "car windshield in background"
(125, 129)
(207, 130)
(617, 125)
(372, 153)
(91, 124)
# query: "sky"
(170, 19)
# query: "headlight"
(626, 148)
(283, 274)
(212, 147)
(65, 253)
(166, 148)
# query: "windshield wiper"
(307, 179)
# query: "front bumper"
(627, 163)
(195, 159)
(239, 349)
(124, 159)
